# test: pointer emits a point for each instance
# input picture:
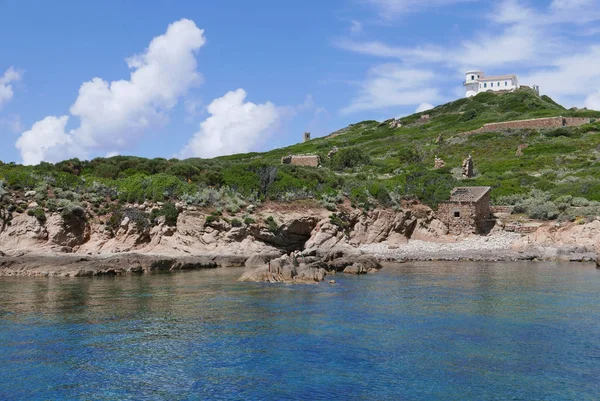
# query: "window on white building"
(472, 77)
(485, 85)
(505, 83)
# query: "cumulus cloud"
(391, 85)
(113, 114)
(234, 126)
(424, 107)
(6, 90)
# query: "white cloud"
(6, 90)
(378, 49)
(114, 114)
(593, 101)
(424, 107)
(44, 136)
(390, 85)
(356, 27)
(393, 8)
(568, 76)
(235, 126)
(519, 37)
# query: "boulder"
(355, 265)
(283, 270)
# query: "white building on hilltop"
(476, 82)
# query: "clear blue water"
(429, 331)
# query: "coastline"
(484, 249)
(29, 248)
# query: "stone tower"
(467, 167)
(306, 136)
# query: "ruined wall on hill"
(535, 123)
(302, 160)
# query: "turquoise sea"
(415, 331)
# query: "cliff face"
(314, 229)
(280, 229)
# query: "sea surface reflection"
(415, 331)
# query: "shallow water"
(419, 331)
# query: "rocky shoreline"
(328, 242)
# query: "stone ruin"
(520, 149)
(332, 152)
(425, 117)
(467, 167)
(306, 136)
(395, 124)
(438, 163)
(302, 160)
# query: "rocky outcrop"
(330, 240)
(566, 242)
(70, 265)
(285, 270)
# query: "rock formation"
(332, 152)
(467, 167)
(438, 163)
(520, 149)
(395, 124)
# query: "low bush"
(271, 224)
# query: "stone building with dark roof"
(467, 210)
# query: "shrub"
(236, 222)
(249, 220)
(73, 214)
(349, 158)
(558, 132)
(40, 215)
(212, 218)
(169, 211)
(271, 224)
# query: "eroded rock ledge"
(310, 270)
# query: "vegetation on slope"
(557, 176)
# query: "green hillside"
(557, 176)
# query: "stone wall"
(471, 216)
(302, 160)
(502, 209)
(535, 123)
(463, 223)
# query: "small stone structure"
(520, 149)
(425, 117)
(535, 123)
(395, 124)
(467, 167)
(438, 163)
(306, 136)
(302, 160)
(332, 152)
(466, 211)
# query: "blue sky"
(204, 78)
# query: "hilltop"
(378, 163)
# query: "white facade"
(476, 82)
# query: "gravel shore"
(491, 248)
